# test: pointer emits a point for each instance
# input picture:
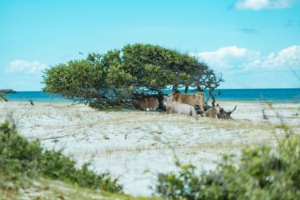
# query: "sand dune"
(134, 145)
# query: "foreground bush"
(262, 173)
(21, 159)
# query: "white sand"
(134, 145)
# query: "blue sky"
(253, 43)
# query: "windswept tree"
(115, 78)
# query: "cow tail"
(232, 110)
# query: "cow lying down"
(180, 108)
(146, 103)
(212, 112)
(225, 115)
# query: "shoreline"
(274, 95)
(221, 100)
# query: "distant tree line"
(135, 71)
(7, 91)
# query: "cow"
(179, 108)
(226, 115)
(212, 112)
(190, 99)
(147, 103)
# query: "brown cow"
(147, 103)
(190, 99)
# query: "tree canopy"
(137, 70)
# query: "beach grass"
(126, 142)
(47, 189)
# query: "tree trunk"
(174, 88)
(161, 100)
(213, 97)
(186, 89)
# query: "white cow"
(180, 108)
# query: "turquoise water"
(252, 95)
(35, 96)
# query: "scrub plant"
(3, 98)
(261, 172)
(21, 161)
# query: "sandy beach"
(136, 145)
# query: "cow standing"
(190, 99)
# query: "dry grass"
(121, 141)
(48, 189)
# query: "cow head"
(217, 109)
(168, 102)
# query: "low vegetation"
(261, 172)
(22, 161)
(2, 97)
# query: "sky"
(252, 43)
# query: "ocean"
(252, 95)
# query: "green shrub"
(262, 173)
(18, 158)
(57, 166)
(3, 98)
(21, 159)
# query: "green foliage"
(2, 97)
(7, 129)
(18, 157)
(57, 166)
(113, 77)
(156, 67)
(76, 80)
(262, 173)
(21, 159)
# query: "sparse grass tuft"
(105, 137)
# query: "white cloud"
(233, 57)
(227, 57)
(289, 57)
(262, 4)
(22, 66)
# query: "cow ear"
(217, 104)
